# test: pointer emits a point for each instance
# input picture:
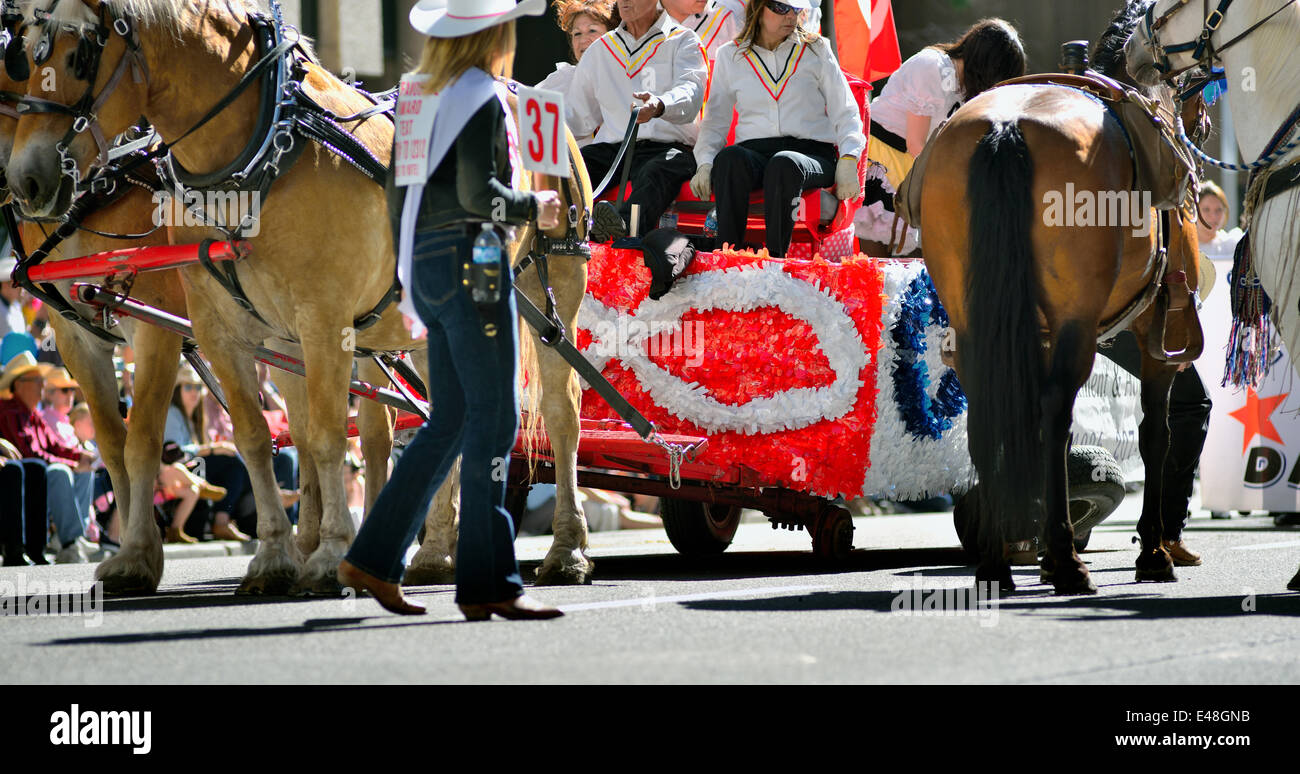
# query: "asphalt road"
(765, 611)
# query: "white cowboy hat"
(22, 363)
(457, 18)
(798, 5)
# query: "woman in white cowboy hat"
(471, 373)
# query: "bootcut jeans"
(474, 413)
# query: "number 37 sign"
(541, 132)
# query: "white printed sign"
(1252, 452)
(1107, 412)
(541, 132)
(415, 111)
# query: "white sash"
(459, 102)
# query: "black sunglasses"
(780, 9)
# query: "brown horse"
(1027, 298)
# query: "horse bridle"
(89, 53)
(1204, 52)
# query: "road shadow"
(1035, 600)
(759, 564)
(310, 626)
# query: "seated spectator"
(799, 126)
(12, 319)
(648, 59)
(60, 396)
(583, 22)
(222, 465)
(106, 523)
(63, 469)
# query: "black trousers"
(658, 171)
(23, 521)
(784, 167)
(1189, 421)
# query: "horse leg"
(90, 362)
(1154, 562)
(435, 562)
(1073, 354)
(329, 371)
(375, 428)
(566, 562)
(137, 568)
(294, 391)
(275, 565)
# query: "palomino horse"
(322, 259)
(1254, 41)
(559, 401)
(1028, 298)
(130, 453)
(317, 207)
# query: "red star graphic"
(1255, 416)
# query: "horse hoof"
(1156, 575)
(565, 575)
(126, 575)
(1076, 587)
(429, 576)
(1294, 585)
(278, 585)
(128, 586)
(317, 587)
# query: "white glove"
(847, 185)
(702, 183)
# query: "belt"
(887, 137)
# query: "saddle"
(1161, 164)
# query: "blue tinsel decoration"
(923, 417)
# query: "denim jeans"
(475, 413)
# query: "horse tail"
(1002, 359)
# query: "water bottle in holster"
(483, 277)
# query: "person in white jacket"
(799, 126)
(713, 22)
(653, 65)
(583, 23)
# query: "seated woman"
(583, 22)
(918, 98)
(222, 465)
(1216, 243)
(799, 126)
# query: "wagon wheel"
(699, 529)
(1096, 490)
(833, 534)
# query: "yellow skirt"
(896, 163)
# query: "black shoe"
(608, 224)
(14, 557)
(1285, 518)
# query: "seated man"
(68, 493)
(651, 59)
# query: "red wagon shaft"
(132, 260)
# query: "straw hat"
(187, 375)
(23, 363)
(457, 18)
(59, 378)
(1206, 276)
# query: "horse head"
(1172, 38)
(76, 97)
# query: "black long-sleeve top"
(469, 180)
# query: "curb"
(211, 549)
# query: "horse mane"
(1108, 55)
(169, 15)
